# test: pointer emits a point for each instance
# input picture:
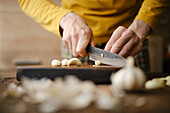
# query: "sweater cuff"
(57, 21)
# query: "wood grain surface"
(156, 101)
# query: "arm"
(129, 41)
(47, 14)
(74, 30)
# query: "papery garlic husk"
(129, 77)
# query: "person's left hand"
(128, 41)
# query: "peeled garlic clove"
(167, 78)
(12, 91)
(55, 62)
(102, 55)
(107, 102)
(154, 84)
(167, 81)
(97, 63)
(161, 79)
(74, 62)
(64, 62)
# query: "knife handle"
(88, 48)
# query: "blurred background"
(23, 41)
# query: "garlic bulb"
(129, 77)
(55, 62)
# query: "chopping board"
(97, 74)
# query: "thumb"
(92, 42)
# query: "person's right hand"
(76, 34)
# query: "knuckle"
(74, 34)
(118, 45)
(121, 27)
(140, 45)
(83, 32)
(64, 40)
(130, 33)
(87, 30)
(79, 51)
(126, 49)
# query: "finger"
(74, 43)
(92, 42)
(127, 48)
(65, 41)
(82, 43)
(69, 43)
(136, 49)
(115, 36)
(118, 45)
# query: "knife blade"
(105, 57)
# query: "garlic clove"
(154, 84)
(64, 62)
(55, 62)
(74, 62)
(168, 83)
(97, 63)
(161, 79)
(15, 91)
(167, 78)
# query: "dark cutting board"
(97, 74)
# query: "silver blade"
(107, 57)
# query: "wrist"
(64, 19)
(140, 28)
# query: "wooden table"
(157, 101)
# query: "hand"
(76, 34)
(128, 41)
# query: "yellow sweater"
(102, 16)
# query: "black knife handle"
(88, 48)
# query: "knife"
(105, 57)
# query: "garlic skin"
(64, 62)
(55, 62)
(129, 77)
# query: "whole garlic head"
(129, 77)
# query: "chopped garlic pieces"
(97, 63)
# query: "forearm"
(151, 11)
(45, 13)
